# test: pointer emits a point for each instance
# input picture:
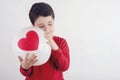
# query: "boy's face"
(45, 23)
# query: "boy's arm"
(61, 56)
(25, 72)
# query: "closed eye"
(50, 24)
(41, 26)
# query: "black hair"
(40, 9)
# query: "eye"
(50, 24)
(41, 26)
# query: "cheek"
(35, 25)
(52, 30)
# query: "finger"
(48, 38)
(34, 61)
(33, 57)
(48, 34)
(26, 57)
(48, 43)
(20, 59)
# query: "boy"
(42, 16)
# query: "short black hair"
(40, 9)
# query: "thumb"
(20, 59)
(48, 43)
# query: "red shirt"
(54, 67)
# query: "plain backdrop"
(91, 28)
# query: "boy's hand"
(53, 45)
(27, 62)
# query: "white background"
(91, 28)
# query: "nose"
(46, 29)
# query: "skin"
(47, 25)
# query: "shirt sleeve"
(25, 72)
(61, 56)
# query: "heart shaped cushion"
(29, 43)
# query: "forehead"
(42, 19)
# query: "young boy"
(42, 16)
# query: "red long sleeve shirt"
(54, 67)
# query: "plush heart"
(29, 43)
